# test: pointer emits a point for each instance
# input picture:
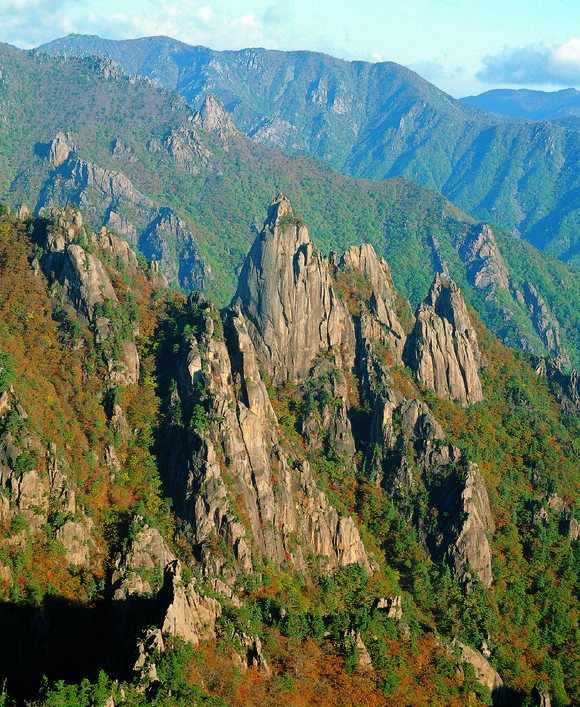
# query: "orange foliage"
(301, 674)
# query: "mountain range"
(527, 104)
(186, 187)
(376, 121)
(263, 437)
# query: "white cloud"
(564, 60)
(205, 14)
(536, 64)
(191, 23)
(276, 13)
(375, 56)
(28, 23)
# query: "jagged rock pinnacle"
(285, 293)
(213, 117)
(442, 348)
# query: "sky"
(464, 47)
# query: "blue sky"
(462, 46)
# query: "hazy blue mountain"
(528, 104)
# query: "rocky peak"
(286, 295)
(446, 299)
(213, 117)
(365, 259)
(381, 324)
(442, 348)
(483, 259)
(59, 149)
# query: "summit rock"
(285, 292)
(442, 348)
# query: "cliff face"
(285, 293)
(235, 478)
(309, 462)
(245, 484)
(443, 347)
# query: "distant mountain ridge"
(528, 104)
(377, 121)
(299, 100)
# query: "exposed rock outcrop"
(28, 497)
(140, 568)
(121, 252)
(464, 538)
(109, 183)
(483, 259)
(79, 280)
(381, 323)
(270, 503)
(567, 388)
(213, 117)
(443, 349)
(275, 131)
(81, 275)
(107, 194)
(281, 281)
(59, 149)
(157, 242)
(409, 443)
(486, 270)
(76, 539)
(187, 151)
(484, 673)
(391, 606)
(107, 67)
(185, 613)
(286, 296)
(544, 323)
(541, 698)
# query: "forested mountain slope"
(313, 496)
(377, 121)
(187, 188)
